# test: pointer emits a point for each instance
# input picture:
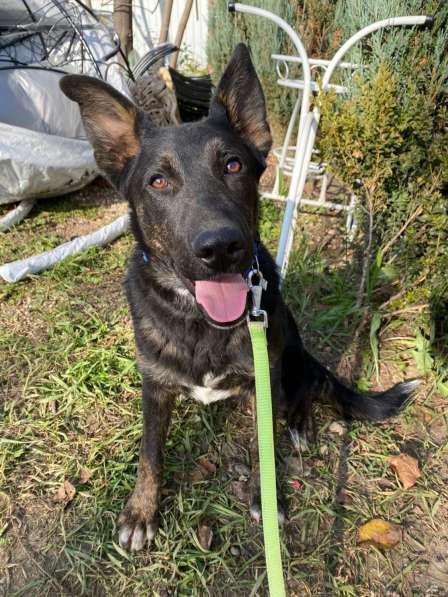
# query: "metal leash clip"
(257, 290)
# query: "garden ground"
(70, 427)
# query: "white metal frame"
(299, 166)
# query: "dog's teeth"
(255, 513)
(123, 536)
(138, 539)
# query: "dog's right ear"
(110, 121)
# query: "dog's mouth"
(222, 298)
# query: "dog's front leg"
(137, 524)
(255, 496)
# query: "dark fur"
(177, 345)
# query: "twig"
(411, 218)
(402, 292)
(166, 18)
(361, 326)
(180, 31)
(366, 258)
(408, 310)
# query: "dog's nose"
(219, 249)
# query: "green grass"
(71, 401)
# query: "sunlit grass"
(71, 401)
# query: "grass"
(70, 411)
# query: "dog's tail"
(373, 407)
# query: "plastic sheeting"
(43, 147)
(41, 165)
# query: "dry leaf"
(205, 536)
(380, 532)
(209, 466)
(406, 468)
(337, 428)
(323, 450)
(85, 474)
(66, 492)
(197, 474)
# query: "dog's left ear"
(240, 97)
(110, 121)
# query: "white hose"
(17, 270)
(17, 214)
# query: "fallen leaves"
(205, 537)
(204, 468)
(380, 532)
(406, 468)
(85, 475)
(209, 466)
(337, 428)
(65, 493)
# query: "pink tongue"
(223, 298)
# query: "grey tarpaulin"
(43, 148)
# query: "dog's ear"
(109, 118)
(240, 97)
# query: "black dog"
(192, 192)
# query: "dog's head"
(192, 189)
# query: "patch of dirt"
(33, 549)
(77, 226)
(107, 295)
(98, 193)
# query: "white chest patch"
(208, 393)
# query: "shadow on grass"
(336, 549)
(321, 290)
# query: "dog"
(192, 193)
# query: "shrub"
(389, 141)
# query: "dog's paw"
(302, 440)
(134, 531)
(255, 512)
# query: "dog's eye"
(158, 182)
(233, 166)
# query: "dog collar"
(255, 264)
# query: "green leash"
(268, 485)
